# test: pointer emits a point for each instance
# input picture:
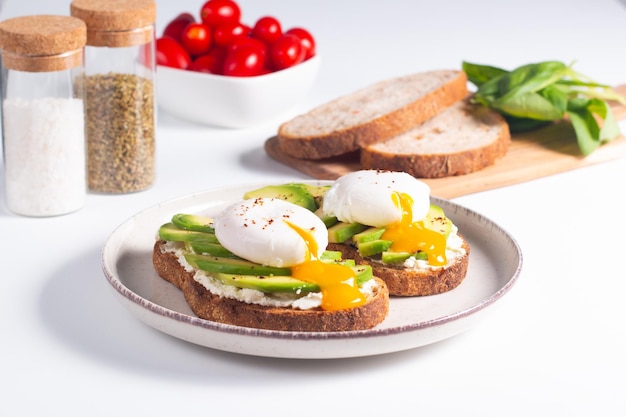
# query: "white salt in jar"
(43, 114)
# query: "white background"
(554, 346)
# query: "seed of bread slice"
(212, 307)
(372, 114)
(462, 139)
(403, 281)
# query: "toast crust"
(406, 282)
(212, 307)
(391, 122)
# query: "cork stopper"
(116, 23)
(42, 43)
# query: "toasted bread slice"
(462, 139)
(372, 114)
(213, 307)
(413, 281)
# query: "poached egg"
(366, 197)
(396, 201)
(261, 230)
(274, 232)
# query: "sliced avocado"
(369, 234)
(170, 232)
(292, 193)
(233, 266)
(317, 191)
(395, 258)
(193, 222)
(374, 247)
(348, 262)
(279, 284)
(436, 220)
(267, 284)
(331, 255)
(363, 273)
(421, 256)
(328, 220)
(340, 232)
(210, 248)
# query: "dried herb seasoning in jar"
(43, 114)
(119, 93)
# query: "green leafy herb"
(536, 94)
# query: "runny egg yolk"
(337, 282)
(412, 237)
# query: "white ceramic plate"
(494, 266)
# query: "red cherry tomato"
(306, 40)
(196, 38)
(214, 12)
(267, 29)
(212, 62)
(244, 61)
(286, 52)
(171, 54)
(220, 43)
(225, 33)
(253, 43)
(175, 28)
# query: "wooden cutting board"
(532, 155)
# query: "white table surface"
(554, 346)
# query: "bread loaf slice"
(407, 281)
(372, 114)
(213, 307)
(462, 139)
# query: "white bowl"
(234, 102)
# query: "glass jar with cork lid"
(119, 93)
(43, 114)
